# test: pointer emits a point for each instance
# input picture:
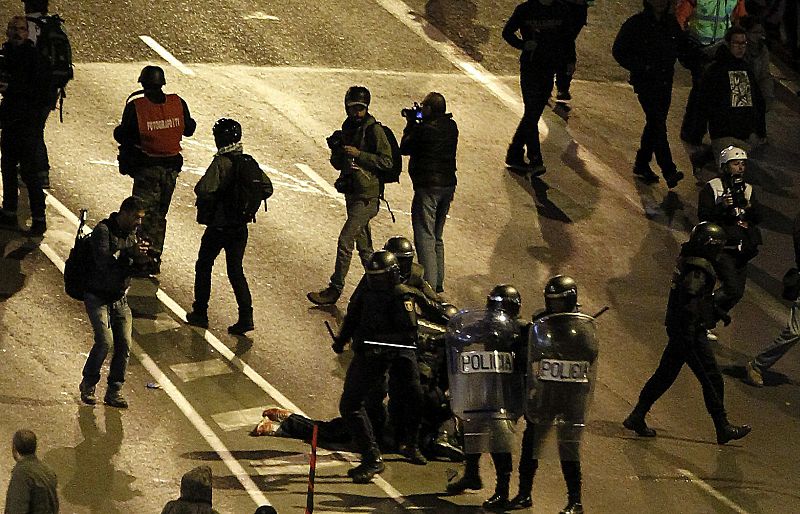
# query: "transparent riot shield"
(486, 366)
(562, 366)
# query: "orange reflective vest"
(160, 126)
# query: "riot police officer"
(690, 312)
(488, 427)
(381, 321)
(412, 273)
(560, 334)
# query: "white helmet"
(731, 153)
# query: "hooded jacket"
(112, 250)
(195, 494)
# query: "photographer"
(359, 151)
(730, 202)
(430, 140)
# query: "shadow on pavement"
(457, 20)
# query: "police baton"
(599, 313)
(330, 331)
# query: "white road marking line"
(321, 182)
(236, 419)
(188, 371)
(226, 352)
(713, 492)
(258, 15)
(164, 53)
(180, 401)
(163, 322)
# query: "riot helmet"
(561, 294)
(383, 270)
(226, 131)
(506, 298)
(357, 95)
(708, 238)
(402, 248)
(449, 309)
(152, 77)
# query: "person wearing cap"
(360, 151)
(149, 135)
(730, 202)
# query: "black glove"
(725, 318)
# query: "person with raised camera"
(690, 313)
(730, 202)
(430, 139)
(360, 151)
(381, 322)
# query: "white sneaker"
(711, 336)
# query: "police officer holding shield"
(562, 357)
(486, 370)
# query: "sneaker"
(520, 501)
(327, 296)
(711, 336)
(241, 327)
(753, 375)
(645, 174)
(197, 319)
(115, 399)
(364, 472)
(673, 178)
(496, 502)
(729, 432)
(87, 393)
(573, 508)
(637, 423)
(38, 227)
(277, 414)
(537, 169)
(8, 221)
(563, 96)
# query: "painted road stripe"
(183, 404)
(321, 182)
(164, 53)
(189, 371)
(713, 492)
(236, 419)
(240, 365)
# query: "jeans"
(536, 85)
(155, 185)
(234, 241)
(112, 325)
(655, 100)
(783, 343)
(697, 353)
(429, 210)
(355, 230)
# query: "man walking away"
(33, 485)
(150, 136)
(116, 252)
(431, 144)
(219, 207)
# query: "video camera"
(412, 114)
(336, 140)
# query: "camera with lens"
(737, 191)
(335, 141)
(413, 113)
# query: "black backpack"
(53, 44)
(246, 190)
(79, 265)
(392, 175)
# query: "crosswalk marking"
(236, 419)
(189, 371)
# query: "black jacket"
(690, 308)
(550, 26)
(431, 146)
(731, 103)
(647, 47)
(196, 494)
(28, 92)
(113, 251)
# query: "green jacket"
(32, 488)
(358, 177)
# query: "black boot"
(371, 465)
(471, 479)
(635, 421)
(727, 432)
(499, 500)
(245, 323)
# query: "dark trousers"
(233, 240)
(732, 276)
(571, 469)
(655, 100)
(21, 148)
(577, 18)
(367, 372)
(536, 85)
(696, 352)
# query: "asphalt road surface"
(281, 69)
